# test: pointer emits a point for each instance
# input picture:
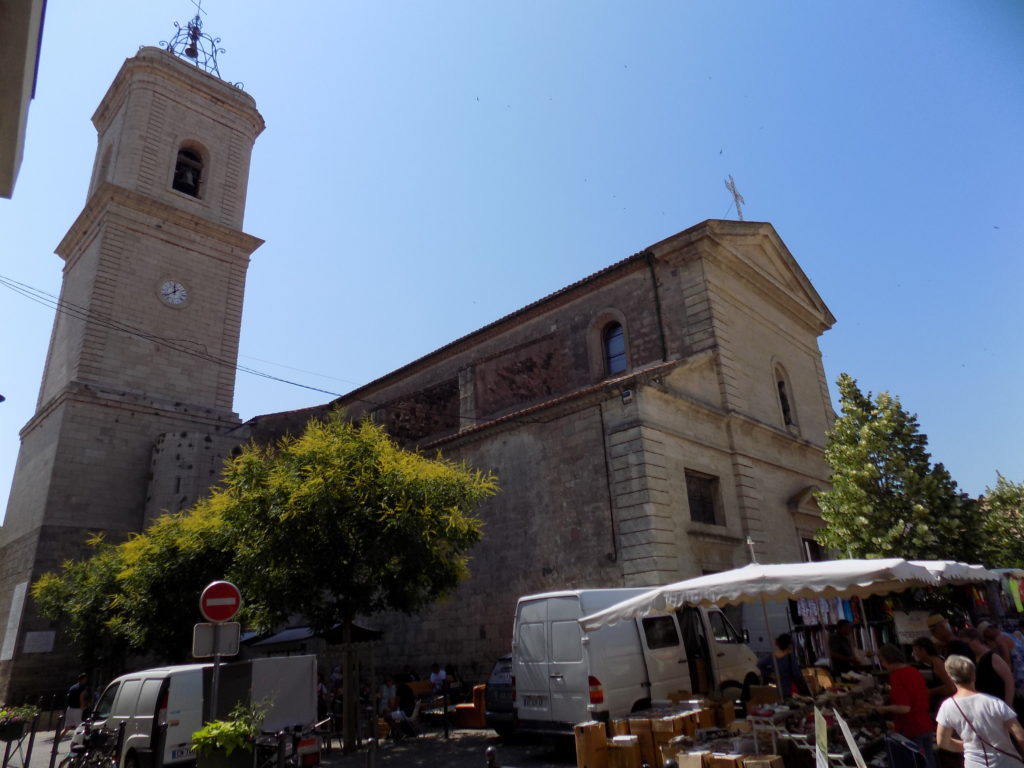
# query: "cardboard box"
(764, 761)
(672, 748)
(694, 759)
(763, 694)
(641, 728)
(706, 718)
(591, 745)
(728, 761)
(624, 752)
(619, 728)
(725, 713)
(690, 721)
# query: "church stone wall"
(535, 539)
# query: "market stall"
(843, 714)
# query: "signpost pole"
(215, 682)
(218, 603)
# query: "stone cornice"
(108, 198)
(168, 67)
(130, 401)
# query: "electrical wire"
(84, 314)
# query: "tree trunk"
(350, 690)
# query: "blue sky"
(430, 167)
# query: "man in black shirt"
(78, 700)
(943, 635)
(840, 648)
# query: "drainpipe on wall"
(613, 556)
(649, 257)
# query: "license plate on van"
(538, 702)
(181, 754)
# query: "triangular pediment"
(755, 251)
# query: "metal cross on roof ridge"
(736, 196)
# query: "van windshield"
(106, 702)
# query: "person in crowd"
(790, 678)
(945, 639)
(391, 710)
(908, 702)
(1000, 642)
(437, 677)
(985, 725)
(941, 685)
(992, 674)
(323, 697)
(79, 699)
(1012, 650)
(388, 696)
(840, 648)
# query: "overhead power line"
(70, 309)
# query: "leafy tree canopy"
(887, 499)
(342, 522)
(336, 523)
(1003, 526)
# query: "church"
(650, 422)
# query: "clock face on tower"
(173, 293)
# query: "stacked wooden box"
(629, 742)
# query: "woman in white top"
(986, 725)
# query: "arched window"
(188, 172)
(614, 348)
(785, 403)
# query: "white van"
(177, 695)
(563, 676)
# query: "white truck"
(177, 696)
(563, 675)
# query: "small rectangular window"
(702, 495)
(531, 642)
(566, 642)
(660, 632)
(125, 706)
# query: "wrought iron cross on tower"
(736, 196)
(192, 43)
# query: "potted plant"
(229, 743)
(14, 721)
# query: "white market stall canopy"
(952, 572)
(778, 581)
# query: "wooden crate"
(641, 728)
(591, 745)
(624, 752)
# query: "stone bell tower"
(145, 340)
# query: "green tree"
(163, 571)
(1003, 525)
(83, 596)
(141, 594)
(887, 499)
(337, 523)
(341, 522)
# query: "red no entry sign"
(220, 601)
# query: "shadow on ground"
(464, 749)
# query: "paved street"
(463, 749)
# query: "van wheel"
(131, 760)
(640, 705)
(731, 690)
